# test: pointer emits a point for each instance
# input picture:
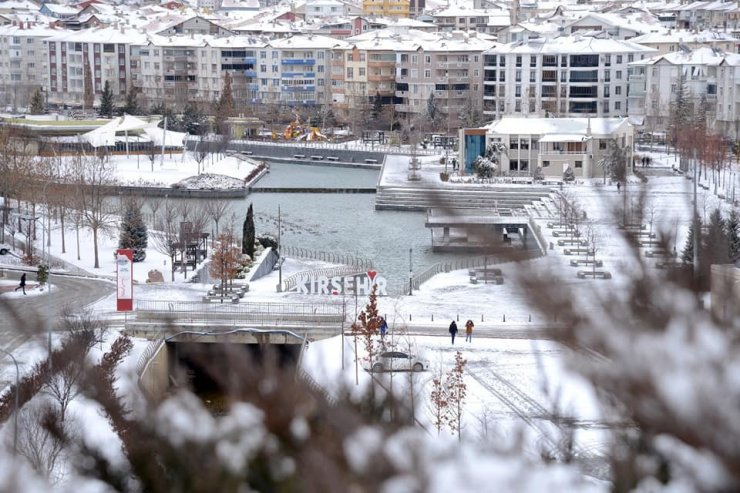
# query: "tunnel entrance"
(213, 371)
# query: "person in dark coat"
(453, 331)
(383, 327)
(22, 285)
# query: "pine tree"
(131, 106)
(193, 121)
(432, 112)
(106, 101)
(715, 244)
(224, 108)
(88, 97)
(732, 227)
(687, 254)
(377, 108)
(248, 233)
(37, 106)
(680, 109)
(134, 234)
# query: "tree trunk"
(61, 218)
(95, 248)
(77, 231)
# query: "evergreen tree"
(224, 108)
(432, 112)
(88, 97)
(131, 106)
(687, 254)
(680, 109)
(193, 120)
(715, 244)
(248, 233)
(37, 106)
(615, 162)
(134, 233)
(569, 174)
(106, 101)
(470, 114)
(732, 227)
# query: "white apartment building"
(106, 51)
(654, 82)
(23, 63)
(675, 40)
(566, 76)
(318, 9)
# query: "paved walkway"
(22, 318)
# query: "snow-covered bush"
(569, 175)
(539, 174)
(484, 167)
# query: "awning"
(564, 138)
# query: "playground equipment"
(295, 131)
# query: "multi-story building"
(566, 76)
(390, 8)
(709, 81)
(676, 40)
(105, 51)
(23, 63)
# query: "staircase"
(421, 199)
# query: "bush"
(43, 274)
(569, 175)
(267, 241)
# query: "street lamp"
(411, 275)
(17, 404)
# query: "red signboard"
(125, 279)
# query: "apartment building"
(390, 8)
(709, 76)
(566, 76)
(450, 66)
(23, 63)
(105, 50)
(676, 40)
(296, 71)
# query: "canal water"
(338, 222)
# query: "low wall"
(267, 263)
(268, 150)
(154, 379)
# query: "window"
(361, 72)
(532, 61)
(608, 60)
(545, 164)
(350, 72)
(618, 106)
(109, 48)
(602, 145)
(263, 68)
(532, 76)
(606, 91)
(427, 74)
(618, 90)
(518, 60)
(263, 55)
(619, 59)
(274, 55)
(630, 58)
(427, 59)
(518, 76)
(579, 164)
(275, 69)
(502, 76)
(618, 75)
(518, 91)
(414, 59)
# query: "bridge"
(474, 229)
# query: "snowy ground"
(140, 171)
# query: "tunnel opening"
(220, 372)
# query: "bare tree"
(38, 441)
(225, 261)
(456, 390)
(93, 177)
(216, 208)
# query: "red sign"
(125, 279)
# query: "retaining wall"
(267, 263)
(154, 379)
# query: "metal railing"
(466, 263)
(151, 349)
(346, 146)
(334, 258)
(195, 309)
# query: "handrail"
(341, 270)
(335, 258)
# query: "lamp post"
(411, 275)
(280, 264)
(17, 405)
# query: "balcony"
(381, 63)
(584, 92)
(250, 73)
(250, 59)
(298, 61)
(304, 75)
(297, 88)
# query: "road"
(71, 292)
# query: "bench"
(332, 158)
(572, 242)
(299, 156)
(577, 251)
(487, 280)
(578, 262)
(659, 253)
(317, 158)
(492, 275)
(599, 274)
(371, 161)
(248, 153)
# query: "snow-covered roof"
(106, 135)
(18, 5)
(310, 41)
(32, 30)
(575, 44)
(395, 39)
(61, 9)
(638, 22)
(122, 35)
(567, 127)
(699, 56)
(684, 36)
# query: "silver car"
(399, 361)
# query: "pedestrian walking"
(383, 327)
(619, 186)
(22, 285)
(469, 331)
(453, 331)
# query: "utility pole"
(411, 275)
(280, 264)
(695, 222)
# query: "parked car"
(399, 361)
(4, 249)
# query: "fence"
(195, 308)
(537, 232)
(467, 263)
(346, 146)
(334, 258)
(148, 354)
(339, 271)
